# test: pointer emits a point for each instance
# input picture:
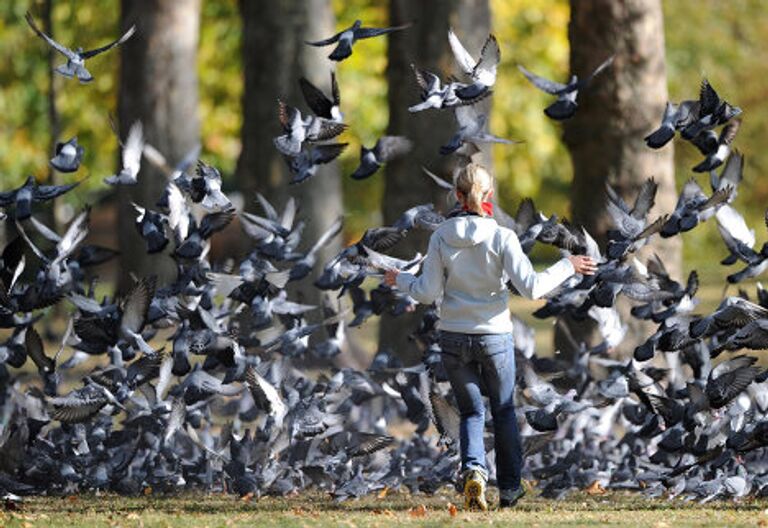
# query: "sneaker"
(508, 499)
(474, 491)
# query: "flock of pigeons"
(200, 383)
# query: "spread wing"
(463, 58)
(92, 53)
(316, 99)
(551, 87)
(68, 53)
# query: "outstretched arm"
(428, 286)
(533, 284)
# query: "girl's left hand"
(390, 277)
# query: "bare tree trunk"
(158, 86)
(425, 45)
(605, 137)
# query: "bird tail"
(342, 51)
(660, 137)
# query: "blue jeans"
(473, 361)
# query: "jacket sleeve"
(428, 286)
(527, 281)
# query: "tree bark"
(158, 86)
(625, 103)
(425, 44)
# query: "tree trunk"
(158, 86)
(425, 45)
(625, 103)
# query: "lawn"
(610, 509)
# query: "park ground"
(217, 510)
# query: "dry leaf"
(452, 509)
(418, 511)
(148, 490)
(595, 489)
(383, 493)
(247, 497)
(71, 498)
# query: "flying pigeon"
(566, 104)
(75, 65)
(347, 37)
(387, 148)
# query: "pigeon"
(692, 207)
(319, 103)
(347, 37)
(205, 188)
(566, 104)
(472, 128)
(387, 148)
(304, 165)
(299, 130)
(23, 197)
(68, 156)
(482, 71)
(632, 229)
(75, 65)
(436, 94)
(674, 115)
(131, 158)
(151, 227)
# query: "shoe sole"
(473, 496)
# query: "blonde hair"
(474, 182)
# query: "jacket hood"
(467, 231)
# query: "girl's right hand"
(583, 265)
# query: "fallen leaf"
(383, 493)
(148, 490)
(595, 489)
(452, 509)
(247, 497)
(418, 511)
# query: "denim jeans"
(473, 361)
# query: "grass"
(610, 509)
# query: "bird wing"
(36, 351)
(134, 146)
(443, 184)
(328, 129)
(68, 53)
(368, 32)
(729, 132)
(264, 394)
(463, 58)
(136, 304)
(490, 56)
(92, 53)
(602, 67)
(48, 192)
(76, 233)
(325, 42)
(390, 147)
(708, 99)
(732, 172)
(315, 99)
(286, 114)
(551, 87)
(327, 153)
(645, 199)
(335, 94)
(215, 222)
(445, 417)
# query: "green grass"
(611, 509)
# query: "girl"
(469, 260)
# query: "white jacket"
(469, 261)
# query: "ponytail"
(474, 182)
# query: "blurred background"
(212, 70)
